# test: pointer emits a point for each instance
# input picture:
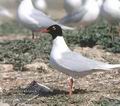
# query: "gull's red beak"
(44, 30)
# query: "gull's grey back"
(74, 64)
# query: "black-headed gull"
(87, 13)
(72, 5)
(69, 62)
(33, 18)
(111, 12)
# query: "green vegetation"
(12, 28)
(97, 34)
(21, 52)
(107, 102)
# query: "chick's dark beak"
(44, 30)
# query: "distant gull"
(87, 13)
(40, 5)
(72, 5)
(5, 12)
(111, 12)
(33, 18)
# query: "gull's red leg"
(70, 85)
(33, 35)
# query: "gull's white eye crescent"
(54, 28)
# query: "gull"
(40, 5)
(69, 62)
(111, 12)
(5, 12)
(33, 18)
(87, 14)
(72, 5)
(100, 3)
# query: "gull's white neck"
(59, 47)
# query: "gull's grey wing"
(43, 20)
(78, 63)
(74, 17)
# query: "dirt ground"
(92, 90)
(87, 90)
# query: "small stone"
(108, 53)
(4, 104)
(1, 91)
(6, 67)
(36, 66)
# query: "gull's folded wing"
(78, 63)
(73, 17)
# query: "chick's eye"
(54, 28)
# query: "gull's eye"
(54, 28)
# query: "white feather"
(33, 18)
(85, 15)
(74, 64)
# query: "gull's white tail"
(110, 66)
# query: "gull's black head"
(54, 30)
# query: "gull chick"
(69, 62)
